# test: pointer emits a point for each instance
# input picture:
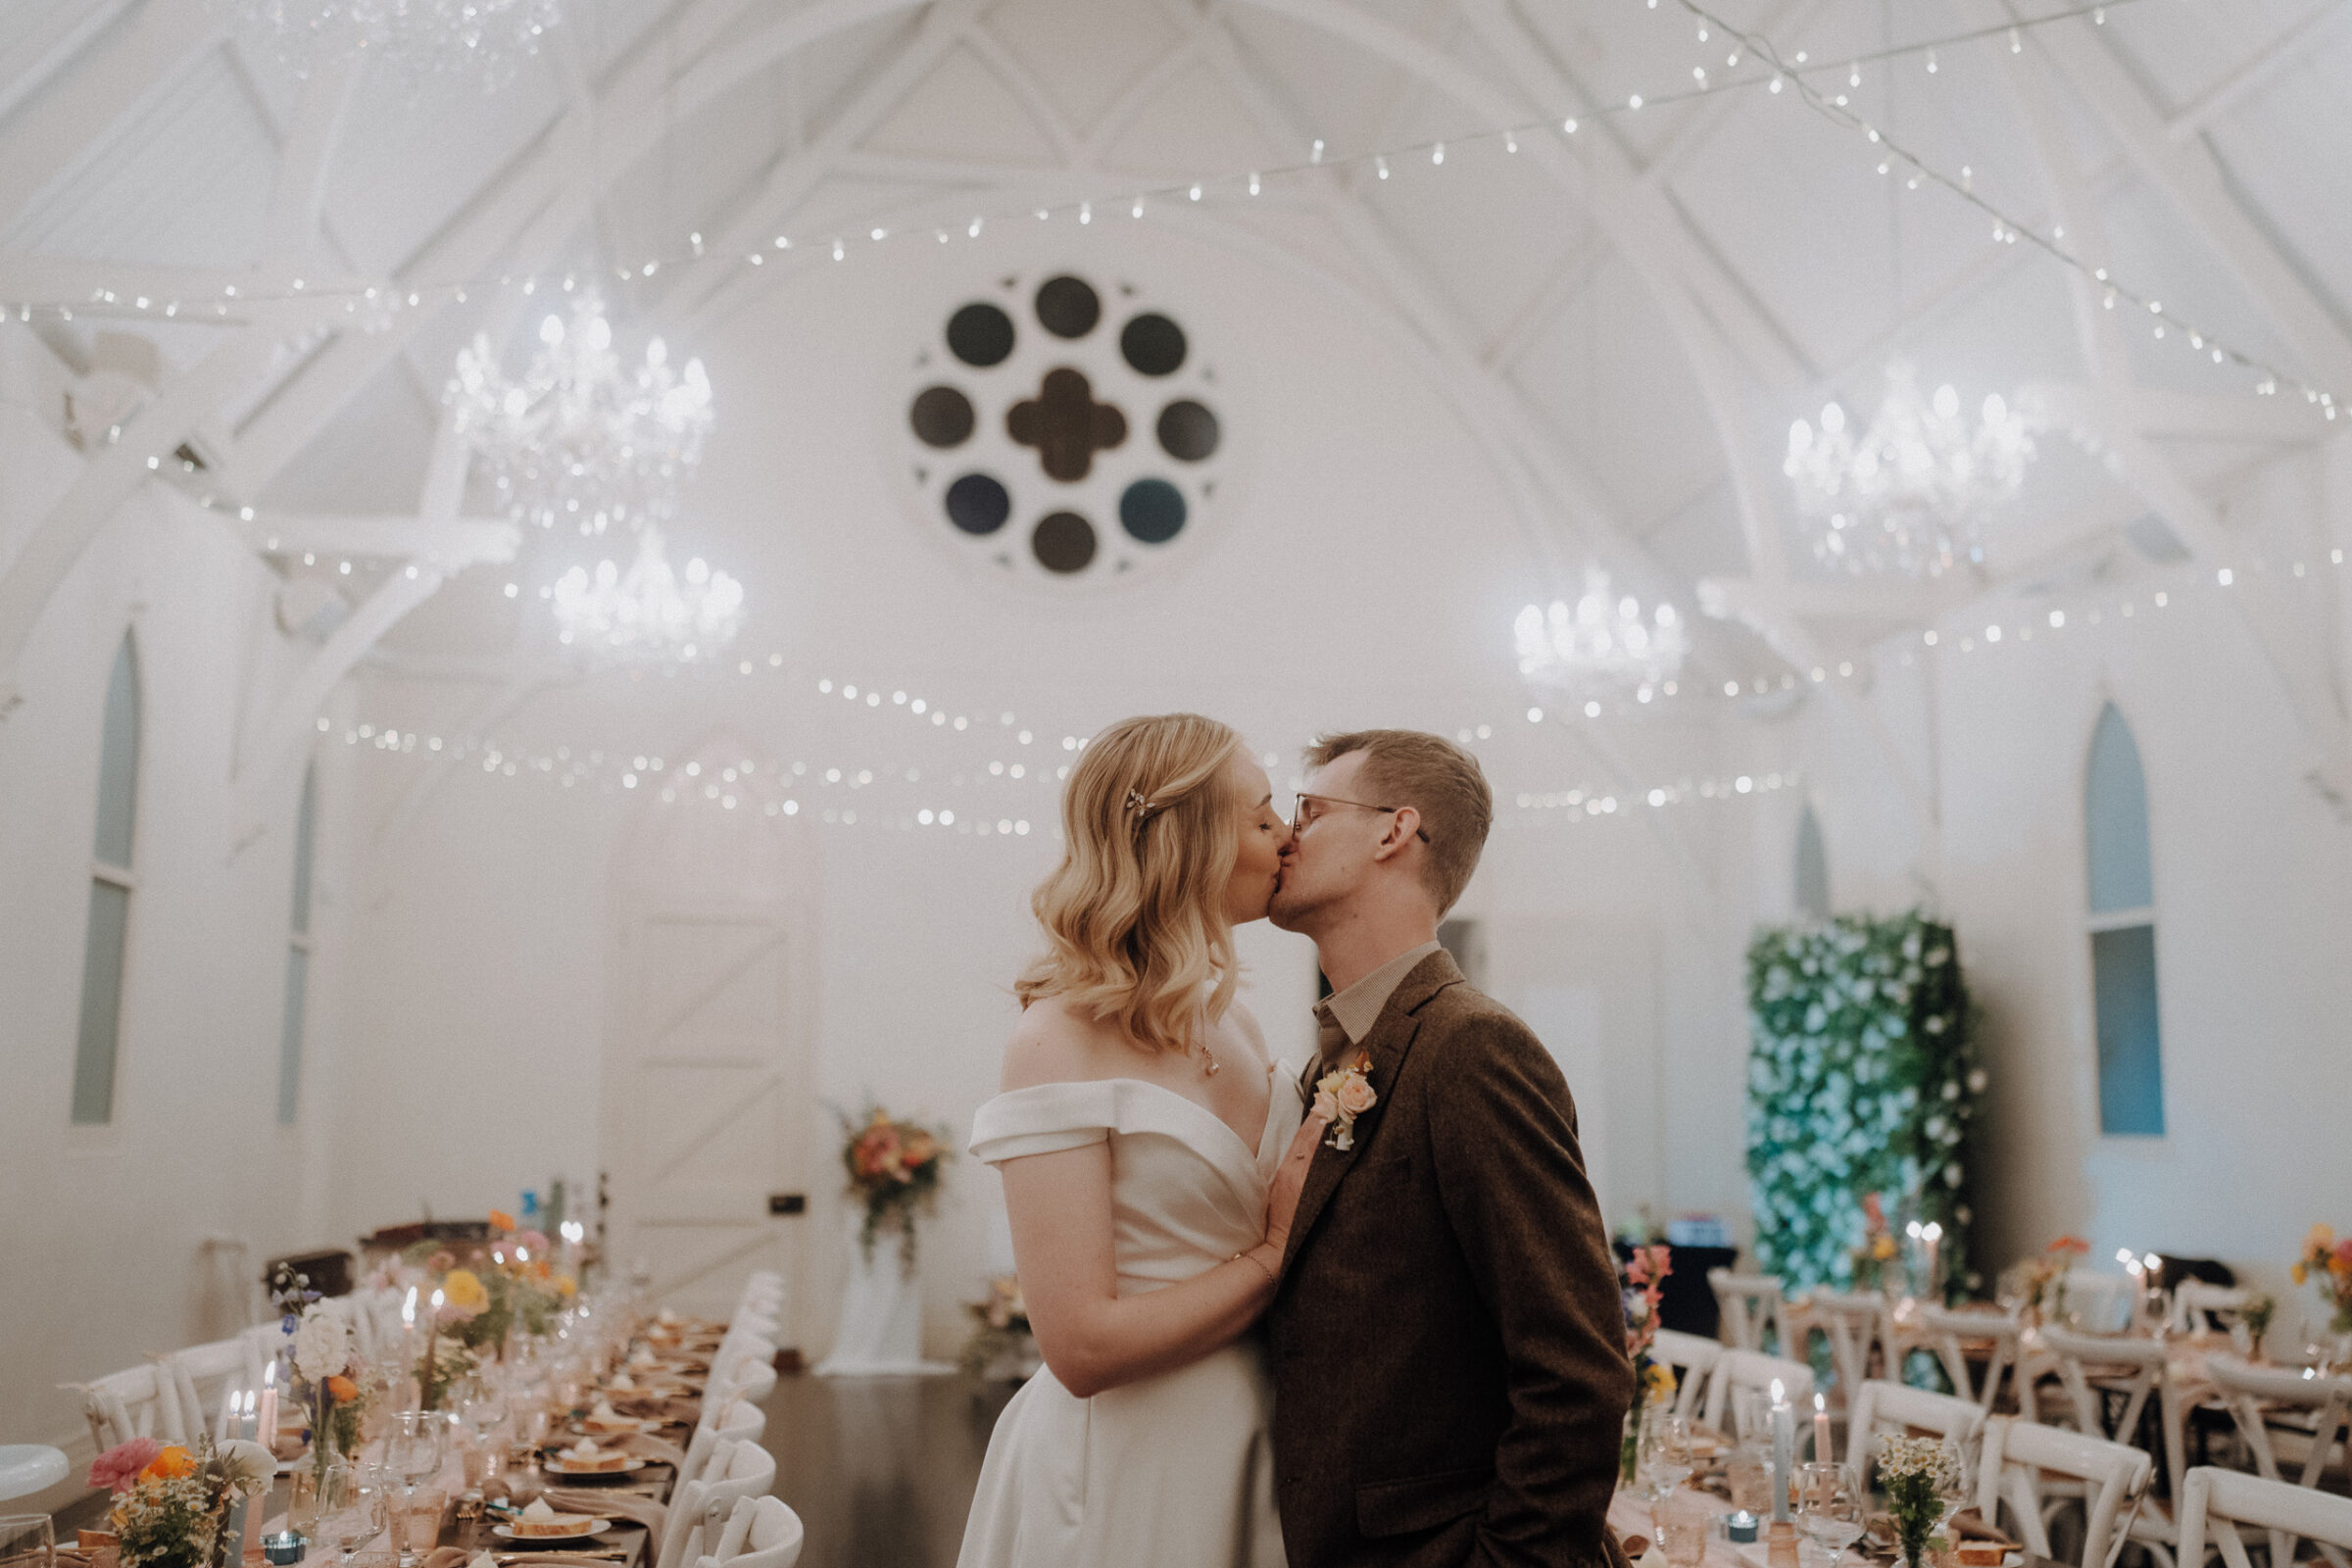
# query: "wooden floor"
(880, 1470)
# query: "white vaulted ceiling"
(1634, 314)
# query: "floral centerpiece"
(1918, 1474)
(1001, 1338)
(1641, 1286)
(894, 1168)
(173, 1502)
(1879, 1249)
(2038, 1284)
(2327, 1263)
(323, 1358)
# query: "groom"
(1451, 1375)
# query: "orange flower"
(502, 1219)
(173, 1464)
(342, 1388)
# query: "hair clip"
(1144, 808)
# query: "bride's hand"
(1281, 1198)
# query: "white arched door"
(710, 1052)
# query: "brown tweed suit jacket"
(1448, 1344)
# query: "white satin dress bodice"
(1175, 1471)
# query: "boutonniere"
(1345, 1094)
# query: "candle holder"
(284, 1547)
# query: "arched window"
(1812, 899)
(298, 955)
(2123, 931)
(111, 885)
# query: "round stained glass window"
(978, 503)
(1068, 307)
(1152, 344)
(1064, 543)
(941, 417)
(1151, 511)
(980, 335)
(1064, 429)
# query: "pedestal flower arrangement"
(894, 1169)
(1862, 1078)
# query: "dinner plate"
(558, 1467)
(507, 1532)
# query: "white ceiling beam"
(2162, 413)
(1068, 150)
(1134, 100)
(74, 281)
(459, 541)
(2302, 40)
(1570, 276)
(1905, 603)
(306, 152)
(63, 125)
(47, 44)
(2189, 176)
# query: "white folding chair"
(1692, 1359)
(2090, 1368)
(140, 1402)
(2199, 1306)
(761, 1532)
(1739, 1393)
(1949, 1334)
(2215, 1502)
(1881, 1407)
(204, 1375)
(1852, 1323)
(733, 1422)
(751, 1471)
(2308, 1411)
(1750, 1306)
(2019, 1455)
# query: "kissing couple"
(1358, 1310)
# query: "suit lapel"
(1390, 1041)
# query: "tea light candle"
(1820, 1432)
(284, 1547)
(1740, 1526)
(1783, 1450)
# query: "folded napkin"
(1970, 1525)
(446, 1557)
(610, 1505)
(652, 1447)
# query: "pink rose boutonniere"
(1343, 1095)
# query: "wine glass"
(1666, 1461)
(1953, 1489)
(415, 1446)
(26, 1540)
(355, 1506)
(1828, 1509)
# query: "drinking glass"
(355, 1506)
(28, 1541)
(1828, 1509)
(417, 1523)
(1683, 1526)
(1750, 1478)
(1666, 1461)
(1956, 1493)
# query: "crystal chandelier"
(1908, 495)
(578, 442)
(1600, 647)
(646, 616)
(420, 38)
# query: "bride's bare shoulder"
(1055, 1042)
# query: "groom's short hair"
(1435, 777)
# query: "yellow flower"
(1661, 1380)
(2322, 1238)
(463, 1289)
(2296, 1272)
(566, 1285)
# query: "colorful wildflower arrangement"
(1641, 1284)
(1917, 1474)
(894, 1168)
(2038, 1284)
(2327, 1263)
(173, 1501)
(1002, 1333)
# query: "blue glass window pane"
(305, 823)
(101, 1005)
(118, 760)
(1812, 869)
(289, 1038)
(2116, 819)
(2130, 1059)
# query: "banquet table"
(1630, 1516)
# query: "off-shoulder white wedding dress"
(1175, 1471)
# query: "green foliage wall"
(1861, 1079)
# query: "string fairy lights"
(370, 306)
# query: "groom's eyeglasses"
(1310, 806)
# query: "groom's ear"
(1405, 824)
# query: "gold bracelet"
(1271, 1277)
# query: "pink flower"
(536, 1240)
(1326, 1105)
(1356, 1097)
(2343, 1251)
(118, 1467)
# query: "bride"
(1151, 1165)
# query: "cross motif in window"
(1066, 425)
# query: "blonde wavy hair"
(1135, 913)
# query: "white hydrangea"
(321, 1345)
